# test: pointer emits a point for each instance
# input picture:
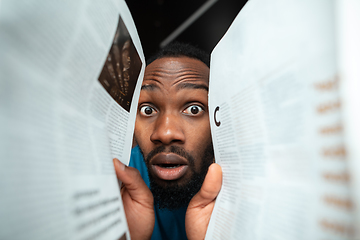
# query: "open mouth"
(169, 166)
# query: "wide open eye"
(193, 110)
(147, 111)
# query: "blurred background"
(199, 22)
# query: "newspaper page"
(275, 115)
(70, 77)
(349, 59)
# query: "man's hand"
(138, 201)
(202, 204)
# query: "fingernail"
(120, 164)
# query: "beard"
(172, 195)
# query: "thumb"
(133, 182)
(210, 188)
(201, 205)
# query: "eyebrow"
(192, 86)
(149, 87)
(152, 87)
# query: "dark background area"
(156, 20)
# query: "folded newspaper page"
(71, 73)
(277, 124)
(349, 59)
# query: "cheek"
(142, 136)
(199, 133)
(199, 138)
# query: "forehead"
(175, 71)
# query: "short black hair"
(177, 49)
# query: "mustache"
(173, 149)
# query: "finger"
(132, 181)
(210, 188)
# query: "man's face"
(172, 125)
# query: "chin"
(175, 194)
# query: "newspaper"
(70, 74)
(278, 123)
(349, 59)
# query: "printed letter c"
(217, 123)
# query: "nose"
(168, 129)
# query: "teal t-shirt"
(168, 224)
